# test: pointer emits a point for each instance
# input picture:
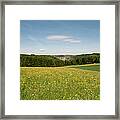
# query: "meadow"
(92, 67)
(75, 82)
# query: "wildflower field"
(60, 83)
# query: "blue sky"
(59, 36)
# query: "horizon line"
(58, 54)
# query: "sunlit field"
(60, 83)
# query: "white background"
(104, 13)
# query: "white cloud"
(75, 41)
(42, 49)
(58, 37)
(72, 40)
(64, 38)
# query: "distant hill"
(39, 61)
(57, 60)
(72, 57)
(65, 57)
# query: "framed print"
(59, 59)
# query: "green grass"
(59, 83)
(92, 67)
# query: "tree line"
(56, 61)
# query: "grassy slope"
(61, 83)
(92, 67)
